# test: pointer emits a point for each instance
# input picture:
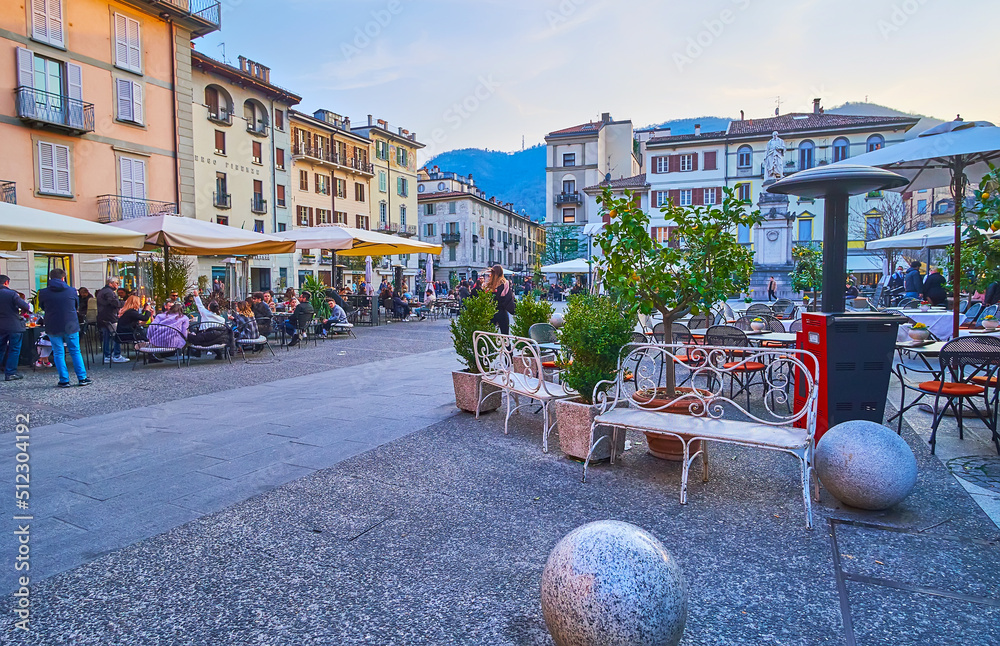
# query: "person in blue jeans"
(60, 303)
(11, 327)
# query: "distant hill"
(862, 109)
(686, 126)
(517, 177)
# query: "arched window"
(256, 116)
(876, 142)
(220, 105)
(841, 149)
(744, 157)
(807, 157)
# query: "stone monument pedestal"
(772, 242)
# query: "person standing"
(896, 280)
(503, 295)
(772, 289)
(108, 305)
(61, 303)
(913, 283)
(11, 328)
(934, 287)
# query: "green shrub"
(317, 296)
(169, 274)
(476, 316)
(594, 333)
(530, 310)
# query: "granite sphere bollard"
(613, 583)
(865, 465)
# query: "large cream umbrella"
(27, 229)
(191, 237)
(330, 237)
(371, 243)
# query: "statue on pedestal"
(774, 160)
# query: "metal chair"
(214, 347)
(758, 309)
(741, 370)
(698, 322)
(796, 326)
(161, 340)
(543, 333)
(659, 332)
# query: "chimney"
(741, 115)
(472, 182)
(401, 130)
(370, 120)
(816, 106)
(697, 129)
(605, 117)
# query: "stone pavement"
(103, 482)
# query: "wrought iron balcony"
(307, 259)
(569, 198)
(114, 208)
(407, 230)
(8, 192)
(55, 111)
(258, 204)
(208, 12)
(222, 200)
(258, 128)
(332, 157)
(451, 238)
(221, 115)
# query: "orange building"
(96, 122)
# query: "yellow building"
(331, 182)
(96, 122)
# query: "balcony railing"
(569, 198)
(407, 230)
(258, 128)
(114, 208)
(332, 157)
(451, 238)
(221, 115)
(258, 204)
(8, 192)
(222, 200)
(307, 259)
(209, 11)
(56, 111)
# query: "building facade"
(476, 231)
(394, 193)
(99, 122)
(242, 154)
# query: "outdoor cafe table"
(938, 321)
(780, 337)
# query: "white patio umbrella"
(334, 238)
(576, 266)
(369, 276)
(430, 269)
(933, 238)
(23, 228)
(953, 154)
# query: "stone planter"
(467, 392)
(991, 324)
(925, 308)
(662, 446)
(573, 419)
(919, 335)
(756, 327)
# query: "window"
(303, 215)
(282, 227)
(132, 186)
(442, 186)
(53, 169)
(303, 180)
(876, 142)
(359, 191)
(279, 119)
(659, 198)
(452, 208)
(257, 152)
(452, 253)
(323, 216)
(402, 215)
(129, 101)
(841, 149)
(220, 142)
(222, 219)
(921, 207)
(662, 164)
(362, 222)
(685, 197)
(569, 159)
(743, 234)
(383, 182)
(258, 226)
(280, 198)
(383, 213)
(382, 149)
(221, 190)
(402, 157)
(429, 230)
(47, 22)
(710, 160)
(322, 184)
(128, 50)
(402, 187)
(256, 117)
(340, 217)
(806, 156)
(258, 190)
(743, 192)
(569, 215)
(340, 185)
(428, 209)
(709, 196)
(569, 186)
(873, 227)
(421, 188)
(744, 157)
(805, 229)
(687, 162)
(279, 158)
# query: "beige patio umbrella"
(372, 243)
(26, 229)
(191, 237)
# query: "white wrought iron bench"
(514, 366)
(704, 414)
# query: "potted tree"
(529, 311)
(699, 265)
(594, 333)
(808, 272)
(476, 316)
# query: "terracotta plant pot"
(467, 392)
(573, 419)
(662, 446)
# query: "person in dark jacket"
(400, 307)
(61, 305)
(130, 316)
(896, 280)
(11, 328)
(262, 312)
(992, 295)
(108, 305)
(913, 282)
(503, 294)
(934, 287)
(300, 318)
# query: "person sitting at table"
(992, 295)
(175, 318)
(337, 316)
(338, 299)
(400, 307)
(86, 306)
(913, 282)
(244, 322)
(218, 333)
(852, 291)
(934, 287)
(130, 316)
(301, 316)
(262, 312)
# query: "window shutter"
(653, 164)
(220, 141)
(39, 21)
(719, 195)
(694, 161)
(279, 157)
(133, 42)
(46, 168)
(121, 40)
(674, 163)
(697, 195)
(138, 179)
(26, 79)
(710, 161)
(74, 87)
(125, 103)
(309, 210)
(674, 194)
(55, 31)
(61, 159)
(136, 102)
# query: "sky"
(491, 73)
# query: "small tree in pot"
(530, 310)
(476, 316)
(594, 333)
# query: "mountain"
(862, 109)
(517, 177)
(686, 126)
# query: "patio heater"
(854, 349)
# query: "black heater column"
(835, 219)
